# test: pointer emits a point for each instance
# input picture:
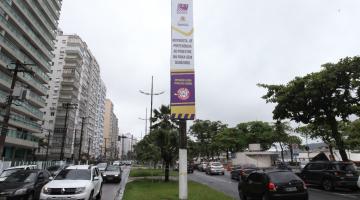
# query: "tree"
(320, 98)
(281, 135)
(257, 132)
(165, 132)
(229, 139)
(352, 134)
(205, 131)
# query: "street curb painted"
(120, 193)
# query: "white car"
(74, 182)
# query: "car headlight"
(46, 190)
(104, 174)
(116, 174)
(80, 190)
(20, 191)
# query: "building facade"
(111, 131)
(74, 101)
(27, 33)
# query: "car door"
(96, 181)
(254, 185)
(305, 173)
(41, 180)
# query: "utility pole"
(19, 67)
(151, 93)
(122, 146)
(183, 189)
(89, 147)
(105, 147)
(81, 136)
(67, 107)
(47, 146)
(146, 120)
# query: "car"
(55, 169)
(358, 183)
(241, 171)
(215, 168)
(330, 174)
(74, 182)
(24, 184)
(202, 166)
(272, 185)
(7, 172)
(112, 173)
(190, 169)
(116, 162)
(101, 166)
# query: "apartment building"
(111, 132)
(27, 34)
(75, 100)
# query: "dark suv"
(330, 174)
(273, 184)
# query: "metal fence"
(40, 164)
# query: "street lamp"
(151, 94)
(145, 119)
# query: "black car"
(238, 172)
(331, 174)
(112, 173)
(272, 185)
(190, 169)
(24, 184)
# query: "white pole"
(183, 189)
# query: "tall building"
(74, 102)
(27, 34)
(111, 132)
(127, 143)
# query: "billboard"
(182, 60)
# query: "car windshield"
(101, 165)
(21, 177)
(282, 177)
(112, 168)
(74, 174)
(53, 168)
(8, 172)
(346, 167)
(216, 164)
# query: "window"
(256, 178)
(52, 114)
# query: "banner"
(182, 60)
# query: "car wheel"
(98, 197)
(241, 195)
(265, 196)
(223, 173)
(31, 196)
(91, 197)
(328, 185)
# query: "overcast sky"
(238, 44)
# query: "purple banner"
(182, 89)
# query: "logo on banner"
(183, 94)
(182, 8)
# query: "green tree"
(257, 132)
(229, 139)
(320, 98)
(352, 134)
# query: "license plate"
(349, 175)
(3, 198)
(291, 189)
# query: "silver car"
(112, 173)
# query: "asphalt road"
(226, 185)
(110, 191)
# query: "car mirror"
(96, 178)
(51, 178)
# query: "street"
(110, 191)
(229, 187)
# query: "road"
(110, 190)
(229, 187)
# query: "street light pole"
(19, 67)
(47, 146)
(67, 107)
(81, 136)
(151, 93)
(146, 120)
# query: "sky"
(238, 43)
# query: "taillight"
(241, 172)
(304, 185)
(271, 186)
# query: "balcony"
(49, 14)
(19, 121)
(36, 100)
(25, 140)
(25, 30)
(34, 84)
(9, 10)
(54, 9)
(5, 80)
(27, 109)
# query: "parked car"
(7, 172)
(242, 171)
(112, 173)
(102, 166)
(74, 182)
(202, 166)
(24, 184)
(274, 184)
(358, 183)
(190, 169)
(330, 174)
(116, 162)
(215, 168)
(55, 169)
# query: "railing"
(21, 119)
(5, 78)
(55, 10)
(33, 82)
(35, 111)
(22, 136)
(48, 12)
(37, 98)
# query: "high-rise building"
(75, 101)
(111, 132)
(27, 33)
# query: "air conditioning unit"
(21, 93)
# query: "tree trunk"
(227, 155)
(331, 152)
(338, 139)
(291, 153)
(167, 169)
(282, 152)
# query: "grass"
(150, 172)
(146, 189)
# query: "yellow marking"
(183, 32)
(183, 110)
